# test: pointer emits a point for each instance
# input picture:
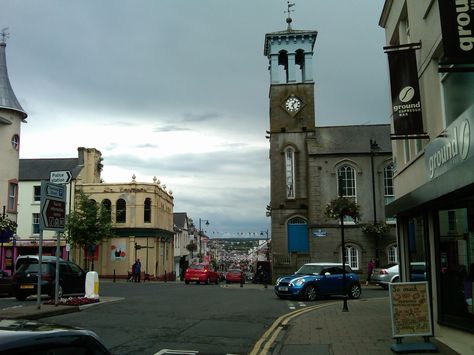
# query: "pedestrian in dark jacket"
(370, 269)
(137, 270)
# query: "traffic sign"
(53, 215)
(53, 206)
(60, 177)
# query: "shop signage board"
(53, 206)
(410, 309)
(454, 147)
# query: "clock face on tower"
(293, 104)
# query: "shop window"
(456, 261)
(417, 249)
(458, 91)
(36, 223)
(147, 211)
(351, 256)
(121, 211)
(37, 193)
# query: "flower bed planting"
(73, 301)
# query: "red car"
(201, 273)
(234, 275)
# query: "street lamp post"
(200, 231)
(374, 147)
(343, 246)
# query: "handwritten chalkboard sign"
(410, 309)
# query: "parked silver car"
(390, 273)
(386, 274)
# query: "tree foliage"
(89, 223)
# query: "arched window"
(147, 211)
(121, 211)
(16, 142)
(107, 205)
(351, 256)
(392, 253)
(290, 172)
(346, 185)
(388, 187)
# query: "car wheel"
(385, 287)
(186, 282)
(60, 292)
(354, 291)
(311, 293)
(207, 281)
(396, 279)
(217, 281)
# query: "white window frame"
(35, 221)
(392, 254)
(348, 192)
(388, 191)
(351, 255)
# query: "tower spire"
(8, 99)
(289, 11)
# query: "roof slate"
(352, 139)
(39, 169)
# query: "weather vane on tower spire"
(289, 11)
(4, 35)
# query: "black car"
(71, 279)
(22, 337)
(5, 283)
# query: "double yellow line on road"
(262, 346)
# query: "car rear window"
(235, 271)
(34, 268)
(197, 267)
(389, 265)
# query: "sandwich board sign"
(411, 315)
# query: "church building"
(309, 165)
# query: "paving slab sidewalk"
(366, 329)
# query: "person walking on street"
(370, 269)
(136, 270)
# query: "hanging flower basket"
(376, 230)
(7, 226)
(342, 206)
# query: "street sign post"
(60, 177)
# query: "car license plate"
(282, 288)
(194, 278)
(27, 286)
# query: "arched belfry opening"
(290, 56)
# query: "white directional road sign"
(60, 177)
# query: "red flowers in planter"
(74, 301)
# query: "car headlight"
(298, 282)
(278, 280)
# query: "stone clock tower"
(292, 129)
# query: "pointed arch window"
(121, 211)
(290, 173)
(147, 211)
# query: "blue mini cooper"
(317, 280)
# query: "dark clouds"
(181, 68)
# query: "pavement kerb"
(271, 334)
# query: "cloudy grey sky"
(178, 89)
